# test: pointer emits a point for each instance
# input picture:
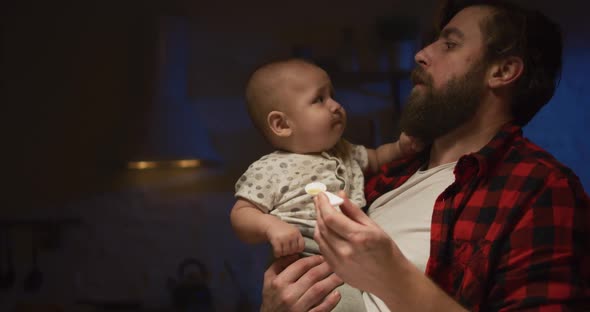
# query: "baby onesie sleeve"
(256, 184)
(358, 162)
(359, 154)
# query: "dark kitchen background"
(88, 87)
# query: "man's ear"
(505, 72)
(279, 124)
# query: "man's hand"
(295, 285)
(365, 257)
(285, 239)
(358, 250)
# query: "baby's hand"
(285, 239)
(409, 145)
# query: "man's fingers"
(324, 283)
(278, 266)
(326, 237)
(293, 272)
(311, 288)
(354, 212)
(322, 204)
(328, 304)
(338, 222)
(327, 244)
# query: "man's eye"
(449, 45)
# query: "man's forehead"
(466, 23)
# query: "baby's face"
(316, 118)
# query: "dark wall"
(76, 77)
(77, 80)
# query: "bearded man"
(483, 219)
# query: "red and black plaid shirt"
(511, 233)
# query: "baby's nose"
(335, 106)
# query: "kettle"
(189, 290)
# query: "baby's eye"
(319, 99)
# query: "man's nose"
(422, 58)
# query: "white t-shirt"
(405, 214)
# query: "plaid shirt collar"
(481, 163)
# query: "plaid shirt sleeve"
(545, 264)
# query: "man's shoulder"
(527, 158)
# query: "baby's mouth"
(337, 121)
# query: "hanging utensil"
(6, 265)
(34, 279)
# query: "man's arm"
(544, 264)
(365, 257)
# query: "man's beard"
(430, 114)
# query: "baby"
(292, 103)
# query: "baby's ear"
(279, 124)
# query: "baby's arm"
(385, 153)
(254, 226)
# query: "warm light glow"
(141, 164)
(188, 163)
(183, 163)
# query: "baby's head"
(291, 103)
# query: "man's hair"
(262, 94)
(515, 31)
